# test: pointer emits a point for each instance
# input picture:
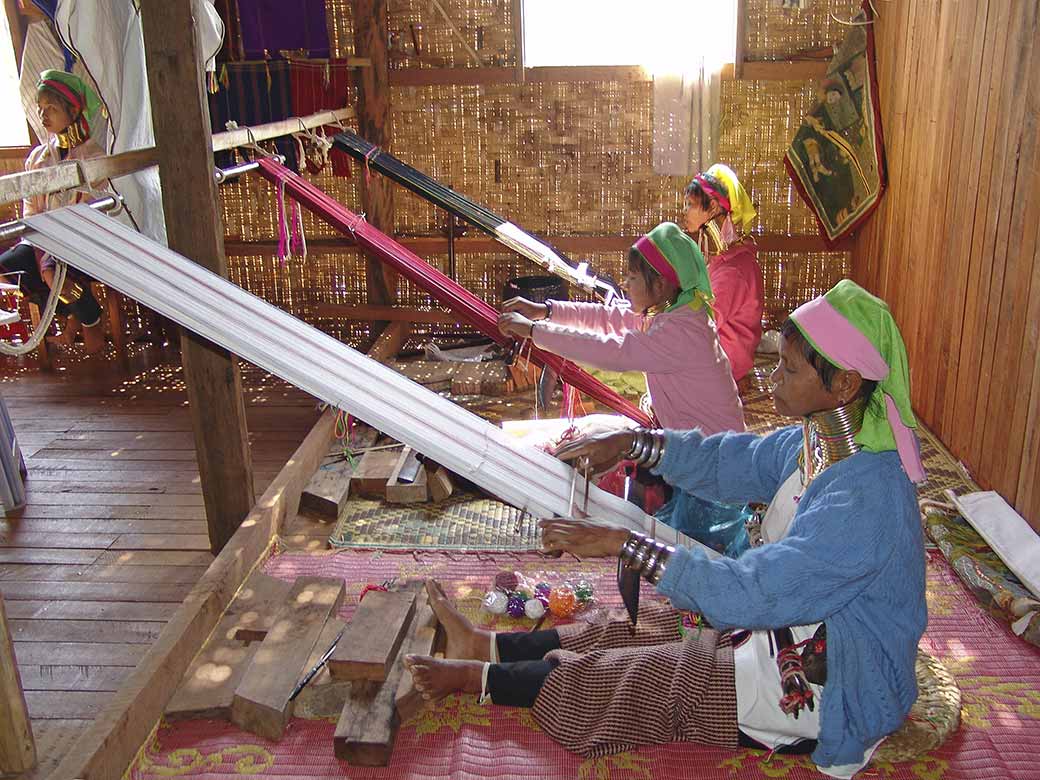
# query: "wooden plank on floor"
(73, 677)
(90, 610)
(128, 487)
(367, 727)
(157, 500)
(161, 542)
(208, 687)
(140, 557)
(53, 740)
(22, 555)
(261, 704)
(114, 512)
(94, 591)
(47, 572)
(98, 631)
(95, 532)
(326, 493)
(373, 637)
(71, 653)
(52, 705)
(20, 535)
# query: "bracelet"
(646, 556)
(647, 447)
(548, 310)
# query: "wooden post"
(373, 115)
(17, 749)
(180, 115)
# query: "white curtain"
(688, 87)
(108, 39)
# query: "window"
(13, 129)
(666, 36)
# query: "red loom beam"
(471, 309)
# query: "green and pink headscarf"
(677, 258)
(855, 331)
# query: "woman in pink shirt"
(717, 205)
(669, 334)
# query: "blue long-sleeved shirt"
(853, 558)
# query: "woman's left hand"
(584, 538)
(514, 324)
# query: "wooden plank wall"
(953, 247)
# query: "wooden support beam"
(435, 245)
(68, 175)
(262, 702)
(244, 135)
(17, 749)
(180, 115)
(374, 124)
(738, 64)
(107, 747)
(753, 70)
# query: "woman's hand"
(530, 309)
(515, 325)
(602, 450)
(583, 538)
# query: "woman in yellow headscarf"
(718, 208)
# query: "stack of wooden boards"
(389, 471)
(274, 632)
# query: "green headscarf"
(855, 330)
(676, 256)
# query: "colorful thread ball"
(534, 608)
(583, 590)
(562, 601)
(515, 606)
(495, 602)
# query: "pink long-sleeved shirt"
(736, 281)
(687, 373)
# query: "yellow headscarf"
(741, 210)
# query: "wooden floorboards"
(114, 534)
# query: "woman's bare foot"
(465, 641)
(435, 678)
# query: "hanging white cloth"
(108, 39)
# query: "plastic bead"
(562, 601)
(542, 589)
(495, 602)
(534, 608)
(515, 606)
(583, 590)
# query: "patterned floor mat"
(999, 676)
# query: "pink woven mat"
(999, 676)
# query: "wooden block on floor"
(368, 725)
(326, 493)
(208, 687)
(373, 637)
(440, 483)
(374, 469)
(407, 483)
(421, 641)
(256, 605)
(261, 704)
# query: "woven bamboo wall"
(558, 159)
(954, 246)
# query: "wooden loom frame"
(181, 292)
